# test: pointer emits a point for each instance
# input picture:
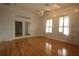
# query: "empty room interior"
(39, 29)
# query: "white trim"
(23, 26)
(62, 40)
(18, 38)
(24, 37)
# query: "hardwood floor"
(37, 46)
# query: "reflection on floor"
(38, 46)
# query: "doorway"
(18, 28)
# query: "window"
(49, 26)
(64, 25)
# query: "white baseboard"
(15, 38)
(23, 37)
(6, 40)
(62, 40)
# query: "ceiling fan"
(47, 9)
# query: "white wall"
(7, 22)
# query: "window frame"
(63, 26)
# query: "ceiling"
(35, 7)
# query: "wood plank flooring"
(37, 46)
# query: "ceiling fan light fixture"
(45, 10)
(76, 10)
(56, 6)
(41, 12)
(48, 9)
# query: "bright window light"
(49, 26)
(61, 21)
(66, 21)
(60, 29)
(66, 30)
